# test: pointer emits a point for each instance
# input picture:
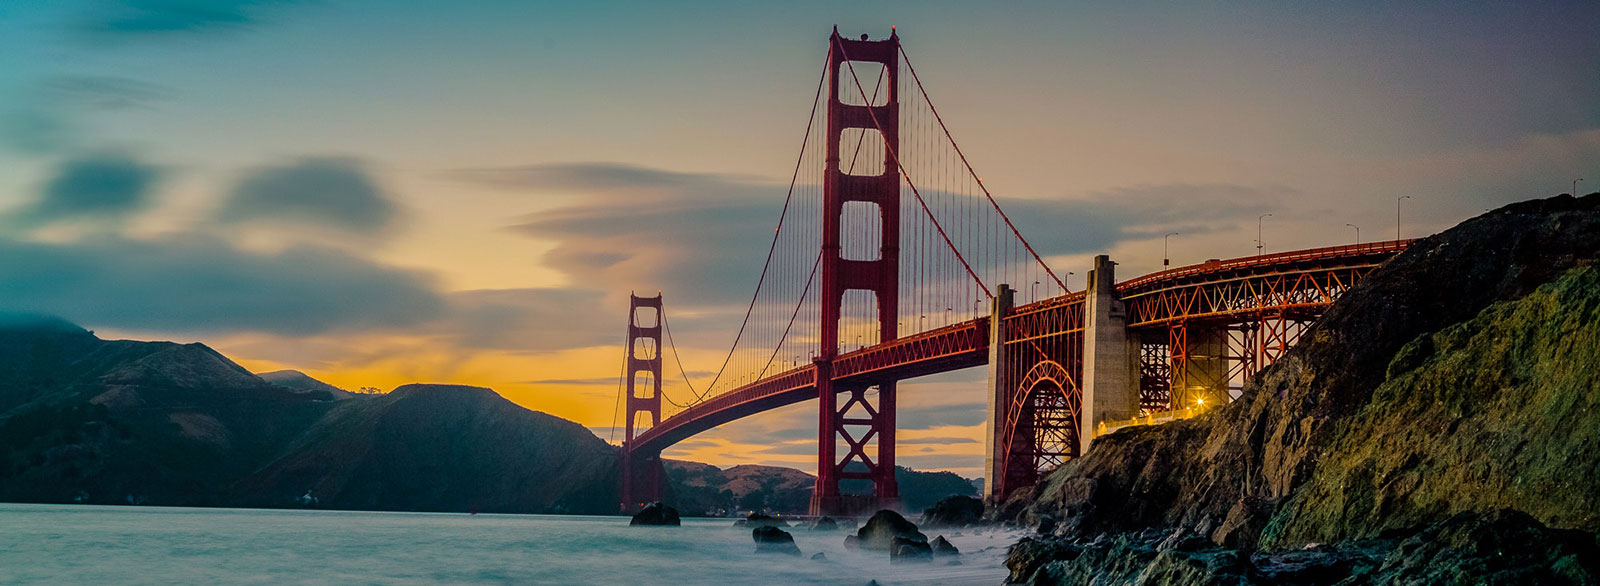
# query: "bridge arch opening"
(1041, 424)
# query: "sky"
(378, 193)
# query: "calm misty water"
(50, 544)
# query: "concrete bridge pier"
(1110, 355)
(998, 396)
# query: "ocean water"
(101, 546)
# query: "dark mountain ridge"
(116, 421)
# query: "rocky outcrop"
(943, 547)
(656, 513)
(1496, 547)
(774, 540)
(881, 530)
(902, 550)
(825, 523)
(954, 511)
(1455, 380)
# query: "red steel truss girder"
(1212, 271)
(966, 344)
(1300, 282)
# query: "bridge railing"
(1384, 248)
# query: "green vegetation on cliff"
(1496, 412)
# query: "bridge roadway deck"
(966, 344)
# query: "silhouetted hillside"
(441, 448)
(90, 420)
(703, 488)
(303, 382)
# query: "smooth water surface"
(95, 545)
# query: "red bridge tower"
(858, 423)
(642, 472)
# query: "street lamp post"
(1258, 233)
(1397, 215)
(1575, 183)
(1358, 233)
(1165, 258)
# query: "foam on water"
(51, 544)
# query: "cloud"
(323, 192)
(32, 129)
(103, 186)
(104, 92)
(1100, 221)
(703, 236)
(534, 320)
(149, 18)
(199, 284)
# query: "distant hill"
(114, 421)
(303, 382)
(442, 448)
(702, 488)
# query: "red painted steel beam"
(966, 344)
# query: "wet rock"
(852, 542)
(902, 550)
(943, 547)
(953, 511)
(656, 513)
(824, 524)
(819, 556)
(759, 520)
(1243, 524)
(882, 528)
(1047, 525)
(774, 540)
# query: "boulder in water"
(774, 540)
(903, 550)
(656, 513)
(943, 547)
(882, 528)
(953, 511)
(824, 524)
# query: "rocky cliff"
(1449, 399)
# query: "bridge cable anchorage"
(771, 249)
(896, 156)
(974, 173)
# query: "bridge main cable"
(766, 266)
(974, 173)
(896, 155)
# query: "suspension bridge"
(891, 260)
